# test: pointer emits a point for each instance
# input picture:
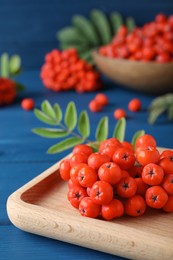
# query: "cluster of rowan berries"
(7, 91)
(118, 180)
(64, 70)
(152, 42)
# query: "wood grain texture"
(41, 207)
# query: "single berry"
(101, 193)
(101, 99)
(110, 172)
(112, 210)
(126, 187)
(152, 174)
(75, 195)
(94, 106)
(64, 169)
(135, 206)
(119, 113)
(88, 208)
(134, 105)
(156, 197)
(27, 104)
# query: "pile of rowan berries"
(7, 91)
(117, 180)
(152, 42)
(64, 70)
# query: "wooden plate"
(41, 207)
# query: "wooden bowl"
(148, 77)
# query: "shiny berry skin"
(112, 210)
(156, 197)
(168, 207)
(134, 105)
(141, 186)
(95, 160)
(124, 174)
(94, 106)
(87, 176)
(135, 206)
(167, 164)
(166, 153)
(110, 172)
(147, 155)
(64, 169)
(145, 141)
(74, 172)
(78, 158)
(124, 158)
(75, 195)
(119, 113)
(126, 187)
(101, 193)
(88, 208)
(167, 183)
(27, 104)
(152, 174)
(109, 146)
(128, 146)
(82, 148)
(101, 99)
(71, 184)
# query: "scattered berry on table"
(27, 104)
(134, 105)
(101, 99)
(119, 113)
(94, 106)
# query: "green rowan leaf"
(170, 113)
(84, 124)
(4, 66)
(102, 129)
(71, 116)
(48, 109)
(50, 132)
(65, 145)
(130, 23)
(14, 65)
(120, 128)
(44, 118)
(58, 112)
(116, 21)
(155, 113)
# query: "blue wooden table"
(23, 156)
(28, 28)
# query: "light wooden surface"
(148, 77)
(41, 207)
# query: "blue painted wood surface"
(23, 156)
(28, 27)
